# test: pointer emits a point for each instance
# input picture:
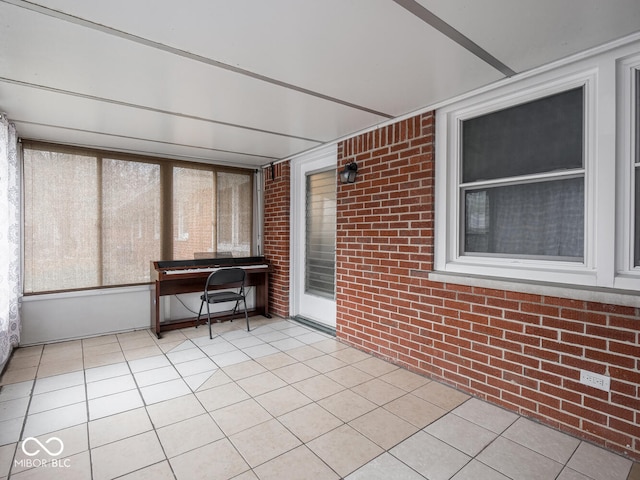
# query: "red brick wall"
(276, 234)
(521, 351)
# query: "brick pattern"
(384, 230)
(523, 352)
(277, 226)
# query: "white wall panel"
(57, 317)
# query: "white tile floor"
(279, 402)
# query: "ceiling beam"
(443, 27)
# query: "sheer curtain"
(9, 240)
(539, 219)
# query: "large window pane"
(193, 212)
(535, 219)
(540, 136)
(130, 220)
(234, 213)
(321, 234)
(61, 215)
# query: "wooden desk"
(188, 276)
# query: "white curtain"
(9, 240)
(541, 219)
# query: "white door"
(313, 227)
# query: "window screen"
(540, 136)
(234, 213)
(193, 212)
(61, 202)
(130, 220)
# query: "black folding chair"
(224, 278)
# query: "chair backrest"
(231, 277)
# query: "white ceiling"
(247, 82)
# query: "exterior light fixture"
(348, 175)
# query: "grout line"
(300, 360)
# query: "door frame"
(317, 161)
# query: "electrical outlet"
(595, 380)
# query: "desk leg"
(155, 310)
(265, 294)
(261, 283)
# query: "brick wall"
(276, 234)
(520, 351)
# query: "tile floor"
(279, 402)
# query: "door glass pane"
(61, 236)
(320, 234)
(130, 220)
(193, 212)
(540, 136)
(235, 209)
(535, 219)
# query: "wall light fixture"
(348, 175)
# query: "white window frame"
(628, 275)
(607, 78)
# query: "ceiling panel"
(103, 141)
(93, 63)
(247, 82)
(528, 34)
(371, 53)
(80, 114)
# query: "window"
(515, 182)
(522, 183)
(538, 179)
(94, 219)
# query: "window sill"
(627, 298)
